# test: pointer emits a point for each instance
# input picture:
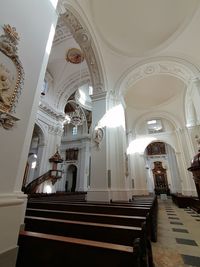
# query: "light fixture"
(76, 116)
(74, 112)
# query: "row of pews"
(183, 201)
(60, 233)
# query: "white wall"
(33, 20)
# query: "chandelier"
(74, 112)
(76, 117)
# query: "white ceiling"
(125, 32)
(153, 91)
(135, 27)
(58, 66)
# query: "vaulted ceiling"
(127, 32)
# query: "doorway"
(72, 178)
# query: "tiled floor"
(178, 237)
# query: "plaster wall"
(33, 21)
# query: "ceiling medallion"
(75, 56)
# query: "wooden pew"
(105, 209)
(88, 217)
(42, 250)
(118, 234)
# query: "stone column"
(99, 190)
(109, 175)
(84, 154)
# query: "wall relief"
(11, 76)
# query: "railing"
(52, 175)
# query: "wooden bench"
(42, 250)
(118, 234)
(88, 217)
(105, 209)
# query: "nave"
(178, 241)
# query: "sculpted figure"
(4, 87)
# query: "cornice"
(47, 109)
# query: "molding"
(69, 86)
(100, 96)
(177, 67)
(5, 202)
(8, 258)
(84, 39)
(157, 114)
(47, 109)
(62, 31)
(57, 130)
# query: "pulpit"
(195, 169)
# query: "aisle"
(178, 237)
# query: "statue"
(4, 87)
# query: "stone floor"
(178, 237)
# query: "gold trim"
(11, 74)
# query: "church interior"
(100, 133)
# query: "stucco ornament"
(11, 76)
(98, 136)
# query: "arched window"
(154, 126)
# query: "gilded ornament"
(11, 75)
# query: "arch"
(179, 68)
(42, 132)
(163, 141)
(83, 37)
(170, 163)
(158, 114)
(69, 86)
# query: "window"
(74, 130)
(154, 126)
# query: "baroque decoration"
(180, 69)
(98, 136)
(11, 76)
(74, 56)
(83, 38)
(75, 115)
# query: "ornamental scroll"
(11, 76)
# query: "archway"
(162, 168)
(32, 168)
(70, 184)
